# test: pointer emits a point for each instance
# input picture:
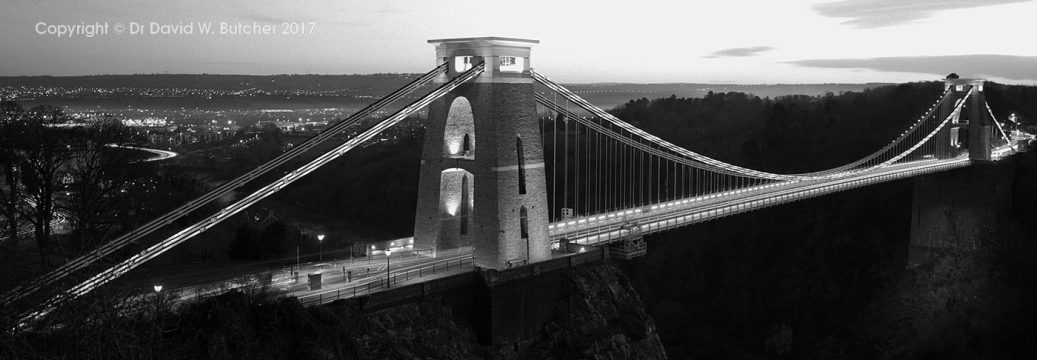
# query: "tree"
(45, 151)
(274, 239)
(11, 191)
(269, 145)
(253, 244)
(243, 247)
(953, 76)
(99, 172)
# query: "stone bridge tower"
(482, 181)
(974, 130)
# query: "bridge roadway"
(612, 226)
(367, 275)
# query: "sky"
(644, 41)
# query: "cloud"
(880, 13)
(740, 52)
(1002, 66)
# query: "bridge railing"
(437, 268)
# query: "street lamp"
(388, 254)
(158, 298)
(320, 247)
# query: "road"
(367, 274)
(159, 154)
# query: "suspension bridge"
(516, 169)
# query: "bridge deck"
(608, 227)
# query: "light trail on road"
(160, 154)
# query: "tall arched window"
(523, 223)
(464, 205)
(521, 165)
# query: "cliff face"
(601, 317)
(598, 315)
(415, 331)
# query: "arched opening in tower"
(456, 194)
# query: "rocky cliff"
(602, 317)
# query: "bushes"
(253, 244)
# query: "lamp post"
(388, 254)
(320, 247)
(158, 298)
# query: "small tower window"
(466, 145)
(512, 64)
(462, 63)
(521, 166)
(523, 223)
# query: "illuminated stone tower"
(975, 129)
(482, 171)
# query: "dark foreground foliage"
(601, 316)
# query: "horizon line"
(573, 83)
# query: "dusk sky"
(645, 41)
